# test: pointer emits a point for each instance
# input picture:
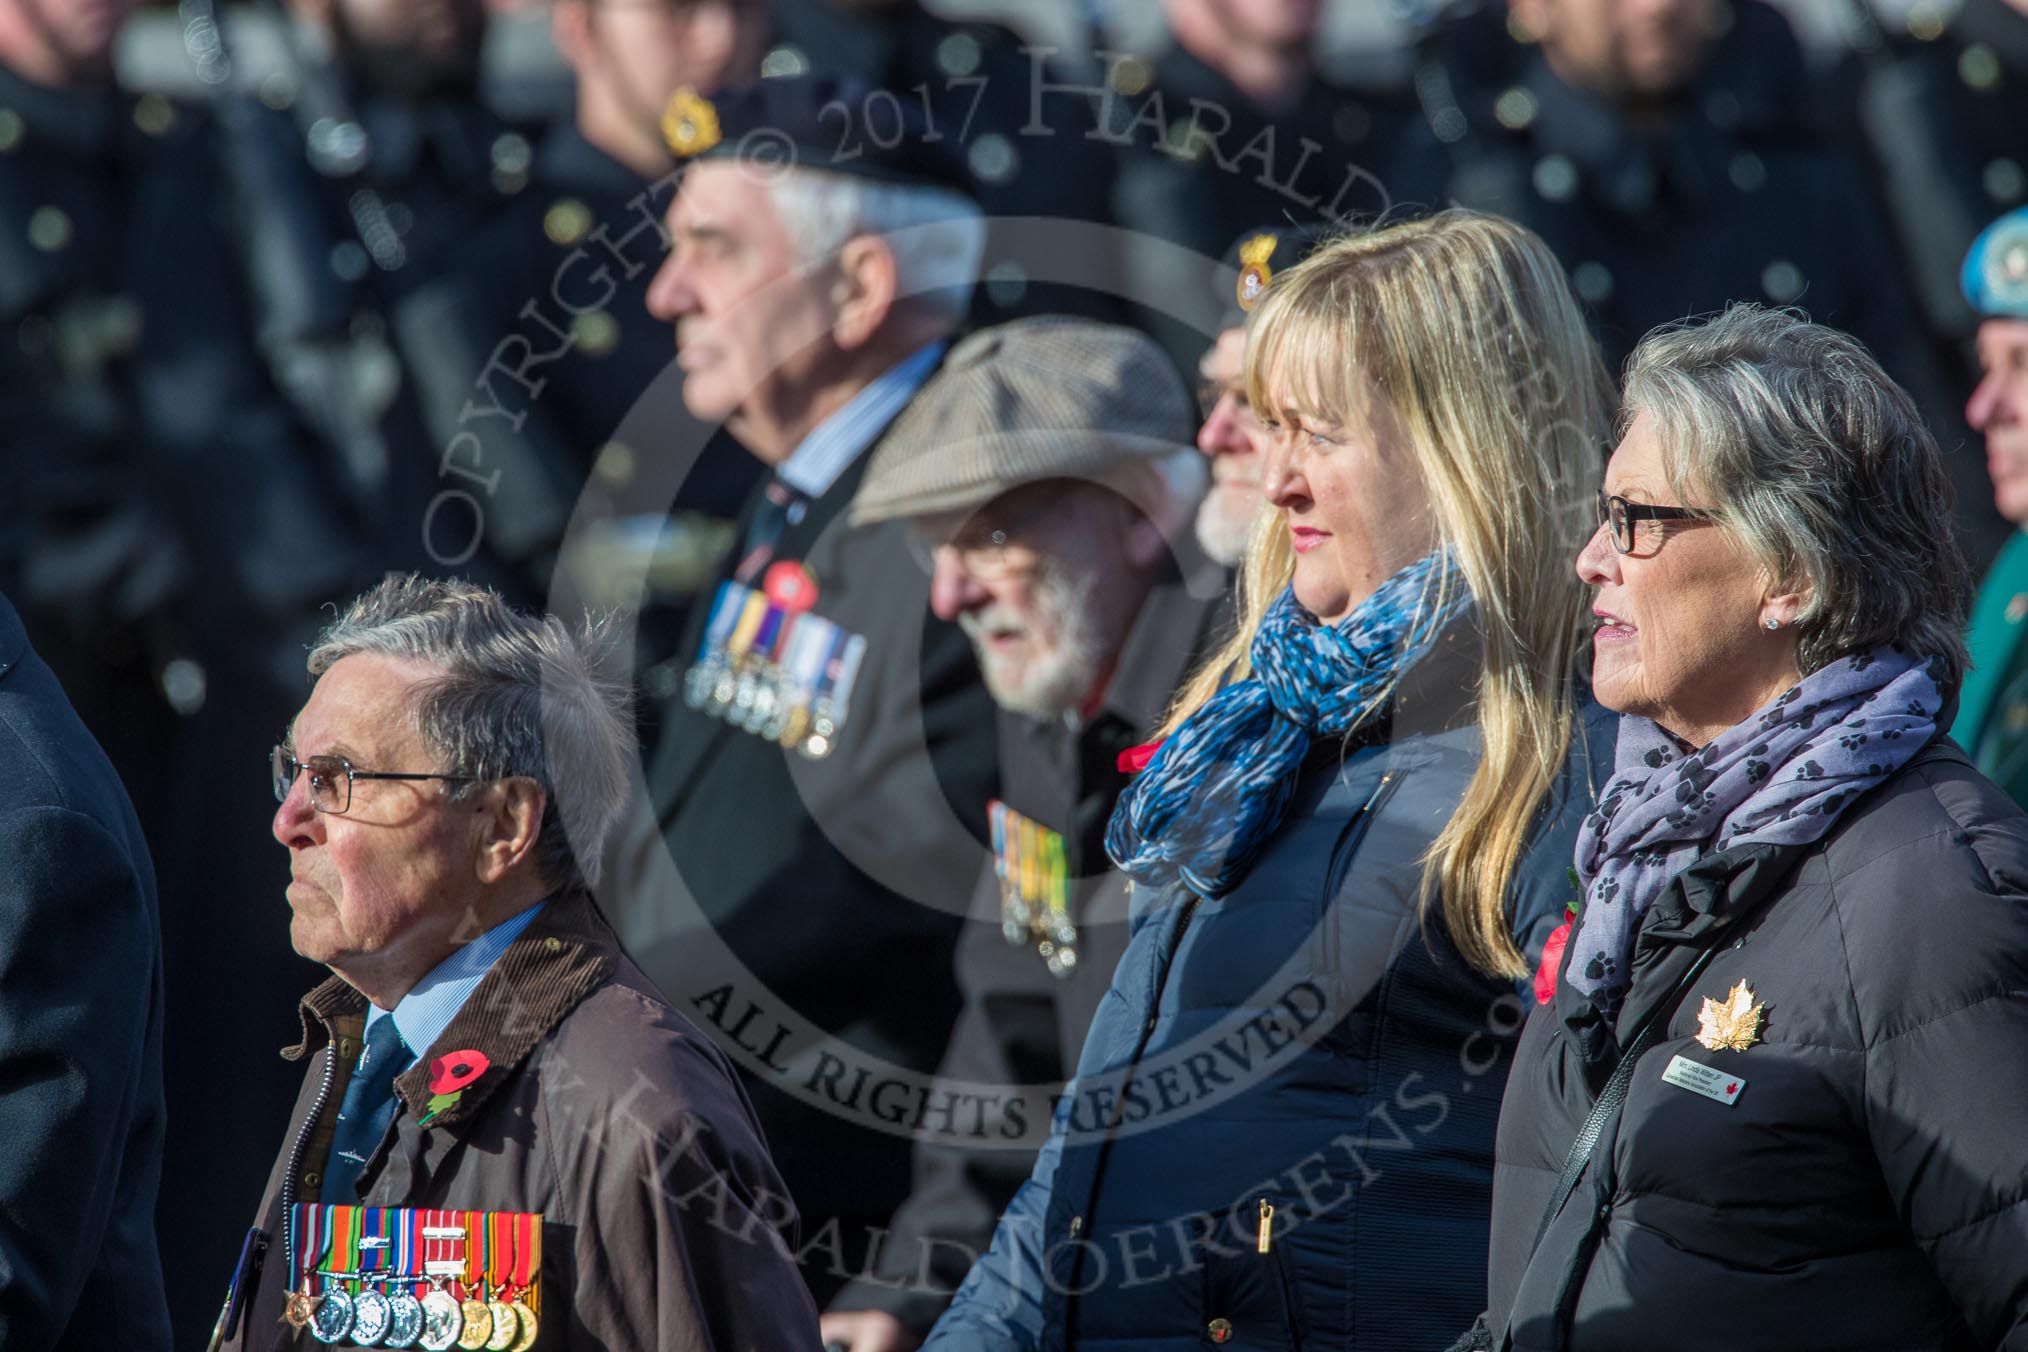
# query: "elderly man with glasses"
(1049, 485)
(504, 1132)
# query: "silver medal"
(370, 1318)
(443, 1321)
(332, 1318)
(404, 1321)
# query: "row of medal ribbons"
(775, 671)
(411, 1277)
(1034, 873)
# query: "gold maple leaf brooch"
(1731, 1026)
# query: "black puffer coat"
(1866, 1187)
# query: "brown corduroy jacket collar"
(564, 953)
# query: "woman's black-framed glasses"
(1620, 517)
(331, 778)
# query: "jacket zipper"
(296, 1162)
(1264, 1242)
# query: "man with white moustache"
(1230, 435)
(1048, 481)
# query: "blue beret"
(815, 121)
(1995, 279)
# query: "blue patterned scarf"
(1780, 777)
(1218, 787)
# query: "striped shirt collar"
(833, 444)
(422, 1015)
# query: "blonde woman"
(1354, 829)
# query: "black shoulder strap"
(1614, 1094)
(1610, 1098)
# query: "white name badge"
(1713, 1084)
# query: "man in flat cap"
(1048, 477)
(1992, 720)
(803, 878)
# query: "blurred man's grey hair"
(942, 234)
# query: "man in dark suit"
(80, 1032)
(804, 874)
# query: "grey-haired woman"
(1778, 1097)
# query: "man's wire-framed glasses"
(331, 778)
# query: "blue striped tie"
(367, 1109)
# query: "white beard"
(1045, 682)
(1225, 520)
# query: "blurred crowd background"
(297, 293)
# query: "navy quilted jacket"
(1280, 1135)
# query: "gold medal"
(506, 1325)
(526, 1315)
(478, 1324)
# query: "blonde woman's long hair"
(1465, 324)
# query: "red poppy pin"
(789, 585)
(449, 1075)
(1552, 963)
(1135, 758)
(1559, 939)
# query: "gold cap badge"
(1254, 273)
(1731, 1026)
(690, 123)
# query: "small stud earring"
(1772, 623)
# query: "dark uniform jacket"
(606, 1111)
(1946, 119)
(387, 346)
(1733, 195)
(1280, 1135)
(168, 531)
(786, 901)
(1201, 164)
(1866, 1188)
(80, 1033)
(1022, 1026)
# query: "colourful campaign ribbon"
(475, 1254)
(527, 1257)
(725, 612)
(372, 1257)
(345, 1241)
(1059, 872)
(498, 1269)
(996, 817)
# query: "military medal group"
(407, 1277)
(770, 667)
(1034, 874)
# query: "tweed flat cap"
(1042, 398)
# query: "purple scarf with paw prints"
(1780, 777)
